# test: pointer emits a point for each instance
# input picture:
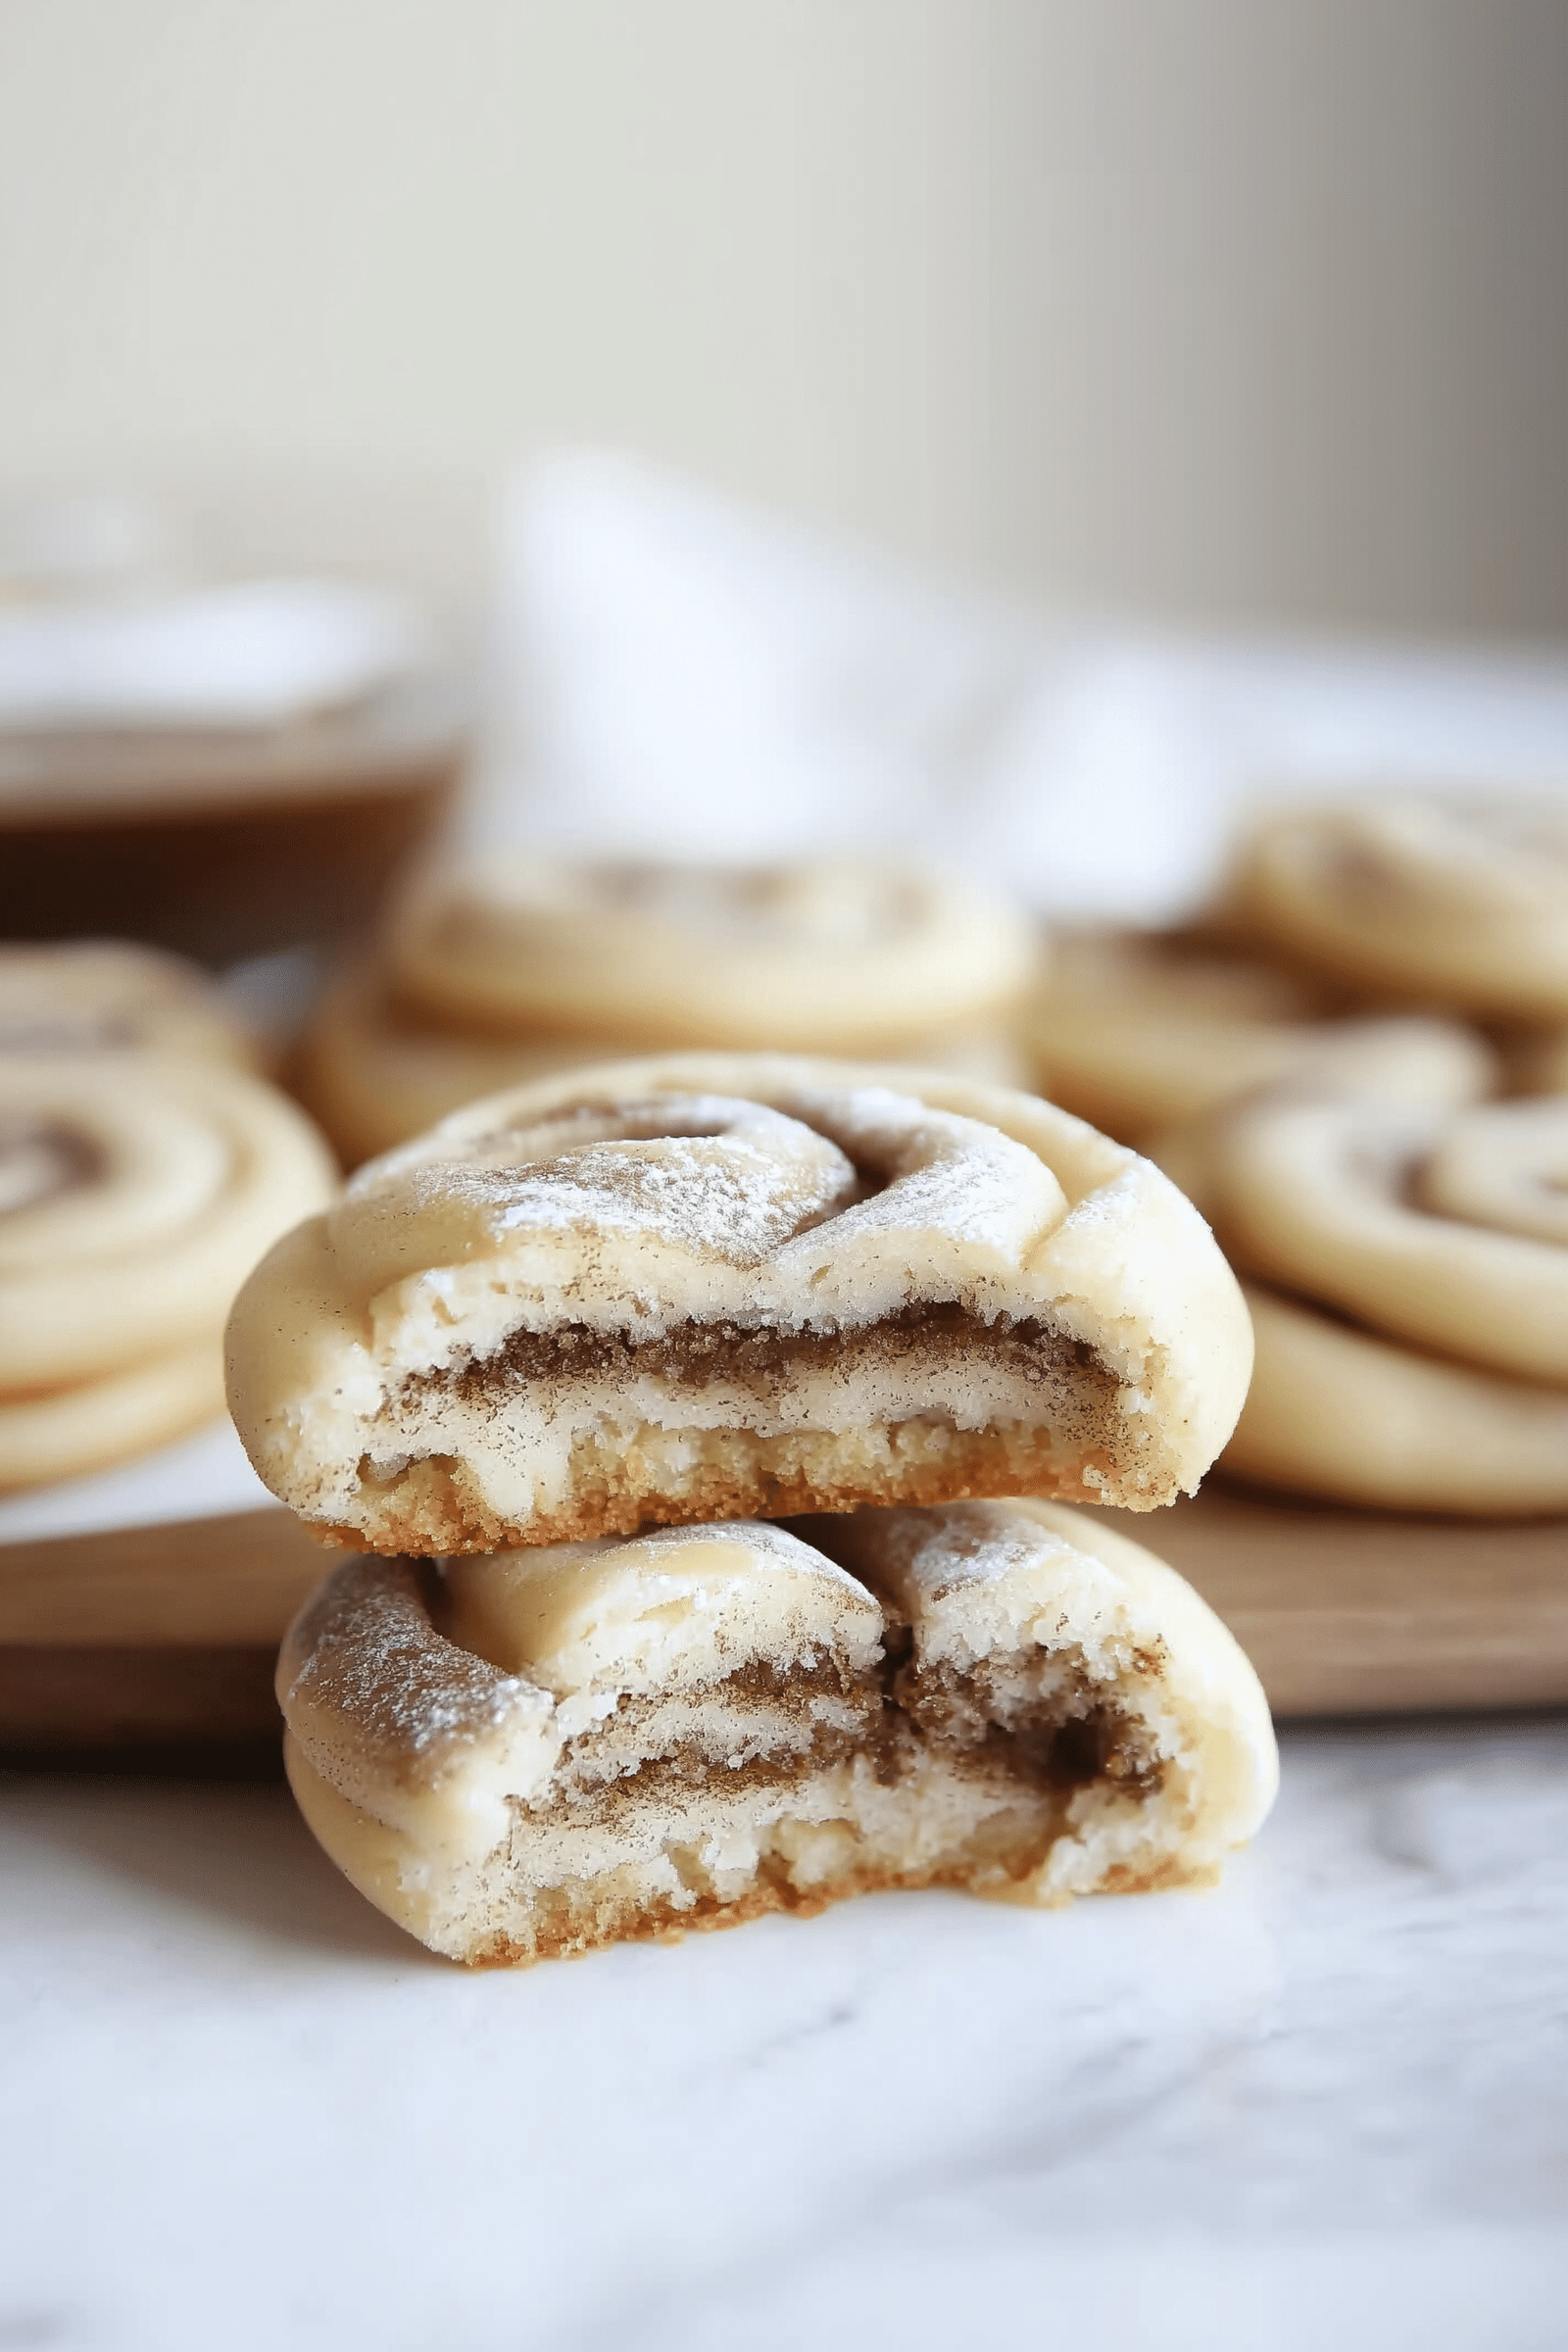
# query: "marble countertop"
(1325, 2106)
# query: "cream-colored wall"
(1248, 306)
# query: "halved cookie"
(543, 1751)
(719, 1286)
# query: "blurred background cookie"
(1412, 1316)
(1339, 1413)
(1137, 1030)
(830, 956)
(136, 1191)
(94, 995)
(495, 970)
(1432, 900)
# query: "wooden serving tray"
(1363, 1614)
(151, 1638)
(161, 1639)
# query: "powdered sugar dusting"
(365, 1653)
(787, 1194)
(715, 1178)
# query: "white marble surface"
(1325, 2107)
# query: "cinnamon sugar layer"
(762, 1359)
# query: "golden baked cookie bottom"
(808, 1862)
(654, 1477)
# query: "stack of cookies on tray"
(1318, 1062)
(717, 1422)
(144, 1165)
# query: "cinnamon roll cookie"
(827, 957)
(494, 972)
(1422, 1359)
(1445, 902)
(1136, 1031)
(376, 1071)
(136, 1191)
(1445, 1229)
(107, 996)
(543, 1751)
(713, 1287)
(1337, 1412)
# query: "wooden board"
(1355, 1613)
(161, 1639)
(158, 1639)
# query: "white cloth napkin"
(675, 674)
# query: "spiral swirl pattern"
(1419, 1353)
(1446, 902)
(136, 1191)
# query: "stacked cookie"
(571, 1360)
(491, 972)
(143, 1169)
